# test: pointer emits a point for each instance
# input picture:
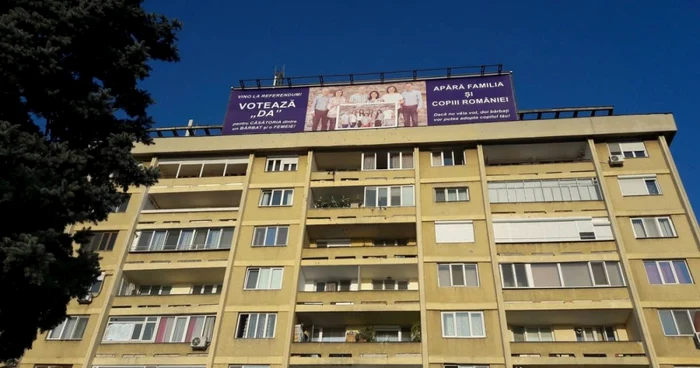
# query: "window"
(153, 289)
(264, 278)
(183, 239)
(328, 334)
(276, 197)
(679, 322)
(638, 185)
(454, 232)
(270, 236)
(653, 227)
(392, 334)
(598, 333)
(668, 272)
(171, 169)
(102, 240)
(389, 284)
(561, 275)
(72, 328)
(551, 230)
(256, 326)
(552, 190)
(389, 196)
(123, 205)
(170, 329)
(206, 289)
(532, 334)
(281, 164)
(184, 328)
(339, 285)
(97, 285)
(463, 324)
(458, 274)
(628, 149)
(448, 158)
(396, 160)
(457, 194)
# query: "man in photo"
(320, 107)
(412, 101)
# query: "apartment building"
(528, 243)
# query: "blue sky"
(640, 56)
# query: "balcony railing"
(359, 298)
(359, 252)
(169, 301)
(581, 351)
(344, 353)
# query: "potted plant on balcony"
(415, 332)
(367, 334)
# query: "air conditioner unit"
(616, 160)
(199, 343)
(696, 340)
(87, 299)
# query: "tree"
(70, 113)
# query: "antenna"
(279, 77)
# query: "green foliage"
(343, 202)
(367, 334)
(70, 112)
(416, 332)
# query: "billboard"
(371, 106)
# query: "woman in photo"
(392, 95)
(374, 97)
(333, 104)
(367, 120)
(378, 117)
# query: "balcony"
(579, 353)
(357, 338)
(143, 353)
(538, 159)
(193, 201)
(561, 297)
(356, 242)
(380, 287)
(358, 204)
(313, 353)
(372, 168)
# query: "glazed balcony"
(359, 204)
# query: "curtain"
(614, 273)
(158, 240)
(667, 272)
(119, 332)
(270, 328)
(259, 237)
(282, 235)
(650, 227)
(599, 273)
(471, 273)
(407, 196)
(666, 228)
(437, 158)
(463, 324)
(545, 275)
(448, 324)
(185, 241)
(226, 238)
(213, 238)
(407, 160)
(444, 275)
(276, 279)
(652, 272)
(576, 274)
(369, 162)
(394, 160)
(638, 226)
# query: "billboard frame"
(372, 77)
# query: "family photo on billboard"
(366, 106)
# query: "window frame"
(247, 325)
(446, 191)
(657, 224)
(540, 330)
(184, 162)
(257, 281)
(279, 163)
(62, 325)
(657, 263)
(464, 274)
(140, 340)
(388, 160)
(389, 196)
(544, 188)
(589, 265)
(442, 157)
(282, 191)
(97, 246)
(471, 329)
(675, 323)
(191, 247)
(622, 149)
(266, 228)
(598, 336)
(644, 179)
